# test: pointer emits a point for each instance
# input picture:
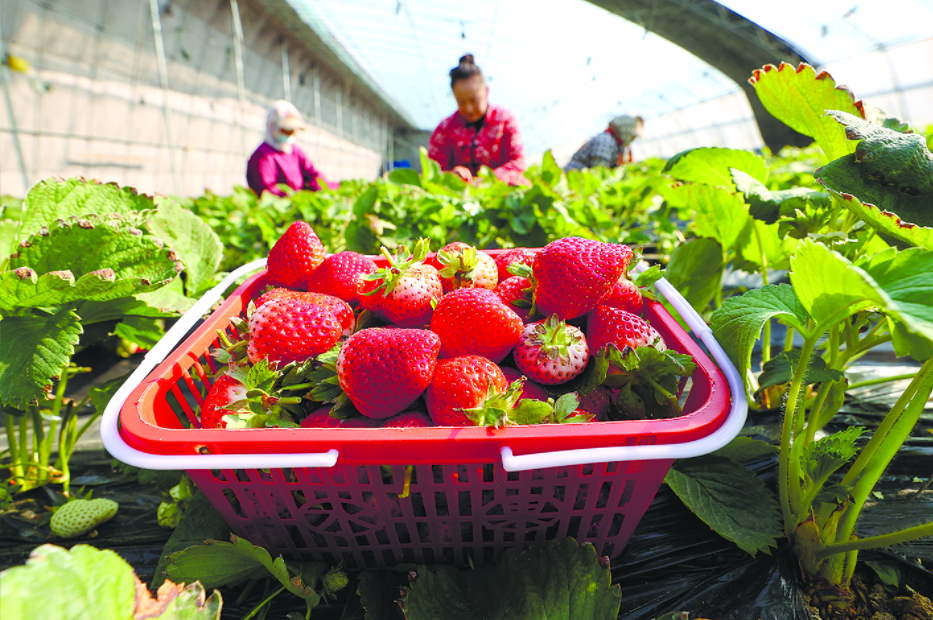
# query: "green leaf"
(780, 370)
(8, 229)
(529, 411)
(824, 456)
(33, 350)
(888, 572)
(101, 394)
(712, 165)
(170, 298)
(102, 311)
(737, 324)
(826, 282)
(91, 259)
(759, 239)
(550, 171)
(84, 582)
(221, 563)
(889, 223)
(196, 245)
(744, 449)
(561, 580)
(57, 199)
(719, 214)
(405, 176)
(199, 522)
(142, 331)
(649, 380)
(695, 270)
(800, 98)
(729, 498)
(767, 205)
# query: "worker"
(478, 133)
(611, 148)
(278, 160)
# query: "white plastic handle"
(119, 449)
(715, 440)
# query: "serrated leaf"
(198, 247)
(100, 311)
(530, 411)
(711, 165)
(821, 458)
(33, 350)
(833, 494)
(84, 582)
(199, 522)
(767, 205)
(826, 282)
(780, 370)
(888, 223)
(800, 98)
(170, 298)
(729, 498)
(54, 199)
(737, 324)
(222, 563)
(744, 449)
(561, 580)
(718, 214)
(8, 229)
(695, 270)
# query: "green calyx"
(270, 399)
(648, 378)
(554, 339)
(500, 409)
(495, 408)
(458, 265)
(399, 265)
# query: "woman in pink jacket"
(478, 134)
(278, 160)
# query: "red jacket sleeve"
(313, 179)
(440, 149)
(263, 174)
(513, 151)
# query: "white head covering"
(625, 127)
(282, 115)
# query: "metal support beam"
(5, 77)
(163, 80)
(238, 60)
(286, 74)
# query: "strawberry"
(623, 329)
(405, 289)
(321, 418)
(286, 330)
(474, 321)
(338, 307)
(530, 389)
(339, 275)
(224, 391)
(551, 352)
(624, 295)
(295, 256)
(573, 274)
(515, 255)
(461, 265)
(464, 392)
(516, 289)
(408, 419)
(383, 371)
(598, 403)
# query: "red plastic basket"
(470, 496)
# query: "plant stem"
(262, 604)
(880, 380)
(885, 540)
(789, 339)
(789, 486)
(814, 416)
(883, 446)
(16, 464)
(766, 334)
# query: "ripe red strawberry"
(515, 255)
(467, 382)
(530, 389)
(321, 418)
(574, 274)
(286, 330)
(224, 391)
(295, 256)
(339, 275)
(460, 265)
(551, 352)
(513, 289)
(408, 419)
(338, 307)
(404, 290)
(624, 329)
(474, 321)
(383, 371)
(625, 295)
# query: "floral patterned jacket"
(497, 143)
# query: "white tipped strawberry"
(551, 352)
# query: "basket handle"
(715, 440)
(119, 449)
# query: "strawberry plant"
(83, 261)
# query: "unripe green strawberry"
(80, 516)
(334, 581)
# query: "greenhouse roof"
(565, 67)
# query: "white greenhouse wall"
(92, 104)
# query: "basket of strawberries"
(430, 407)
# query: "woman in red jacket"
(478, 134)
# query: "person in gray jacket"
(611, 148)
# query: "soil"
(873, 601)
